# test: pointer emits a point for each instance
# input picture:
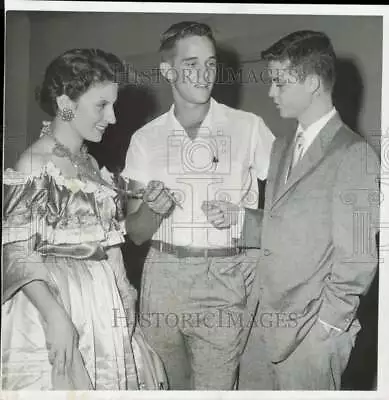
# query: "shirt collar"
(310, 133)
(207, 122)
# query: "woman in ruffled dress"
(68, 319)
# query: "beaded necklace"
(81, 161)
(83, 164)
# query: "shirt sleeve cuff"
(329, 326)
(238, 228)
(134, 175)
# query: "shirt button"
(267, 252)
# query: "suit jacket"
(317, 235)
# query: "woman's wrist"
(40, 295)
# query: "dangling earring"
(66, 114)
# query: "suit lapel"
(280, 161)
(315, 153)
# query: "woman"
(68, 309)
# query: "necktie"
(297, 152)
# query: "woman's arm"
(61, 335)
(41, 297)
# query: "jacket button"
(267, 252)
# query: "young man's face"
(194, 69)
(291, 96)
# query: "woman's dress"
(64, 231)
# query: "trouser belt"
(182, 251)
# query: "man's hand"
(158, 198)
(221, 214)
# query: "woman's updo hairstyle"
(73, 72)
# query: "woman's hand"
(61, 339)
(61, 335)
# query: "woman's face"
(94, 111)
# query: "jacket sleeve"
(355, 222)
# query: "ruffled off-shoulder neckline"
(11, 177)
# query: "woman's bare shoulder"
(36, 156)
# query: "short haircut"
(180, 31)
(308, 52)
(73, 72)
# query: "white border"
(383, 331)
(227, 8)
(234, 8)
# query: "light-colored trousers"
(191, 313)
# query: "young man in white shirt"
(195, 282)
(317, 232)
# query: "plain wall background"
(33, 39)
(17, 87)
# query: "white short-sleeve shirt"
(231, 150)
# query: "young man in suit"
(316, 233)
(194, 279)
